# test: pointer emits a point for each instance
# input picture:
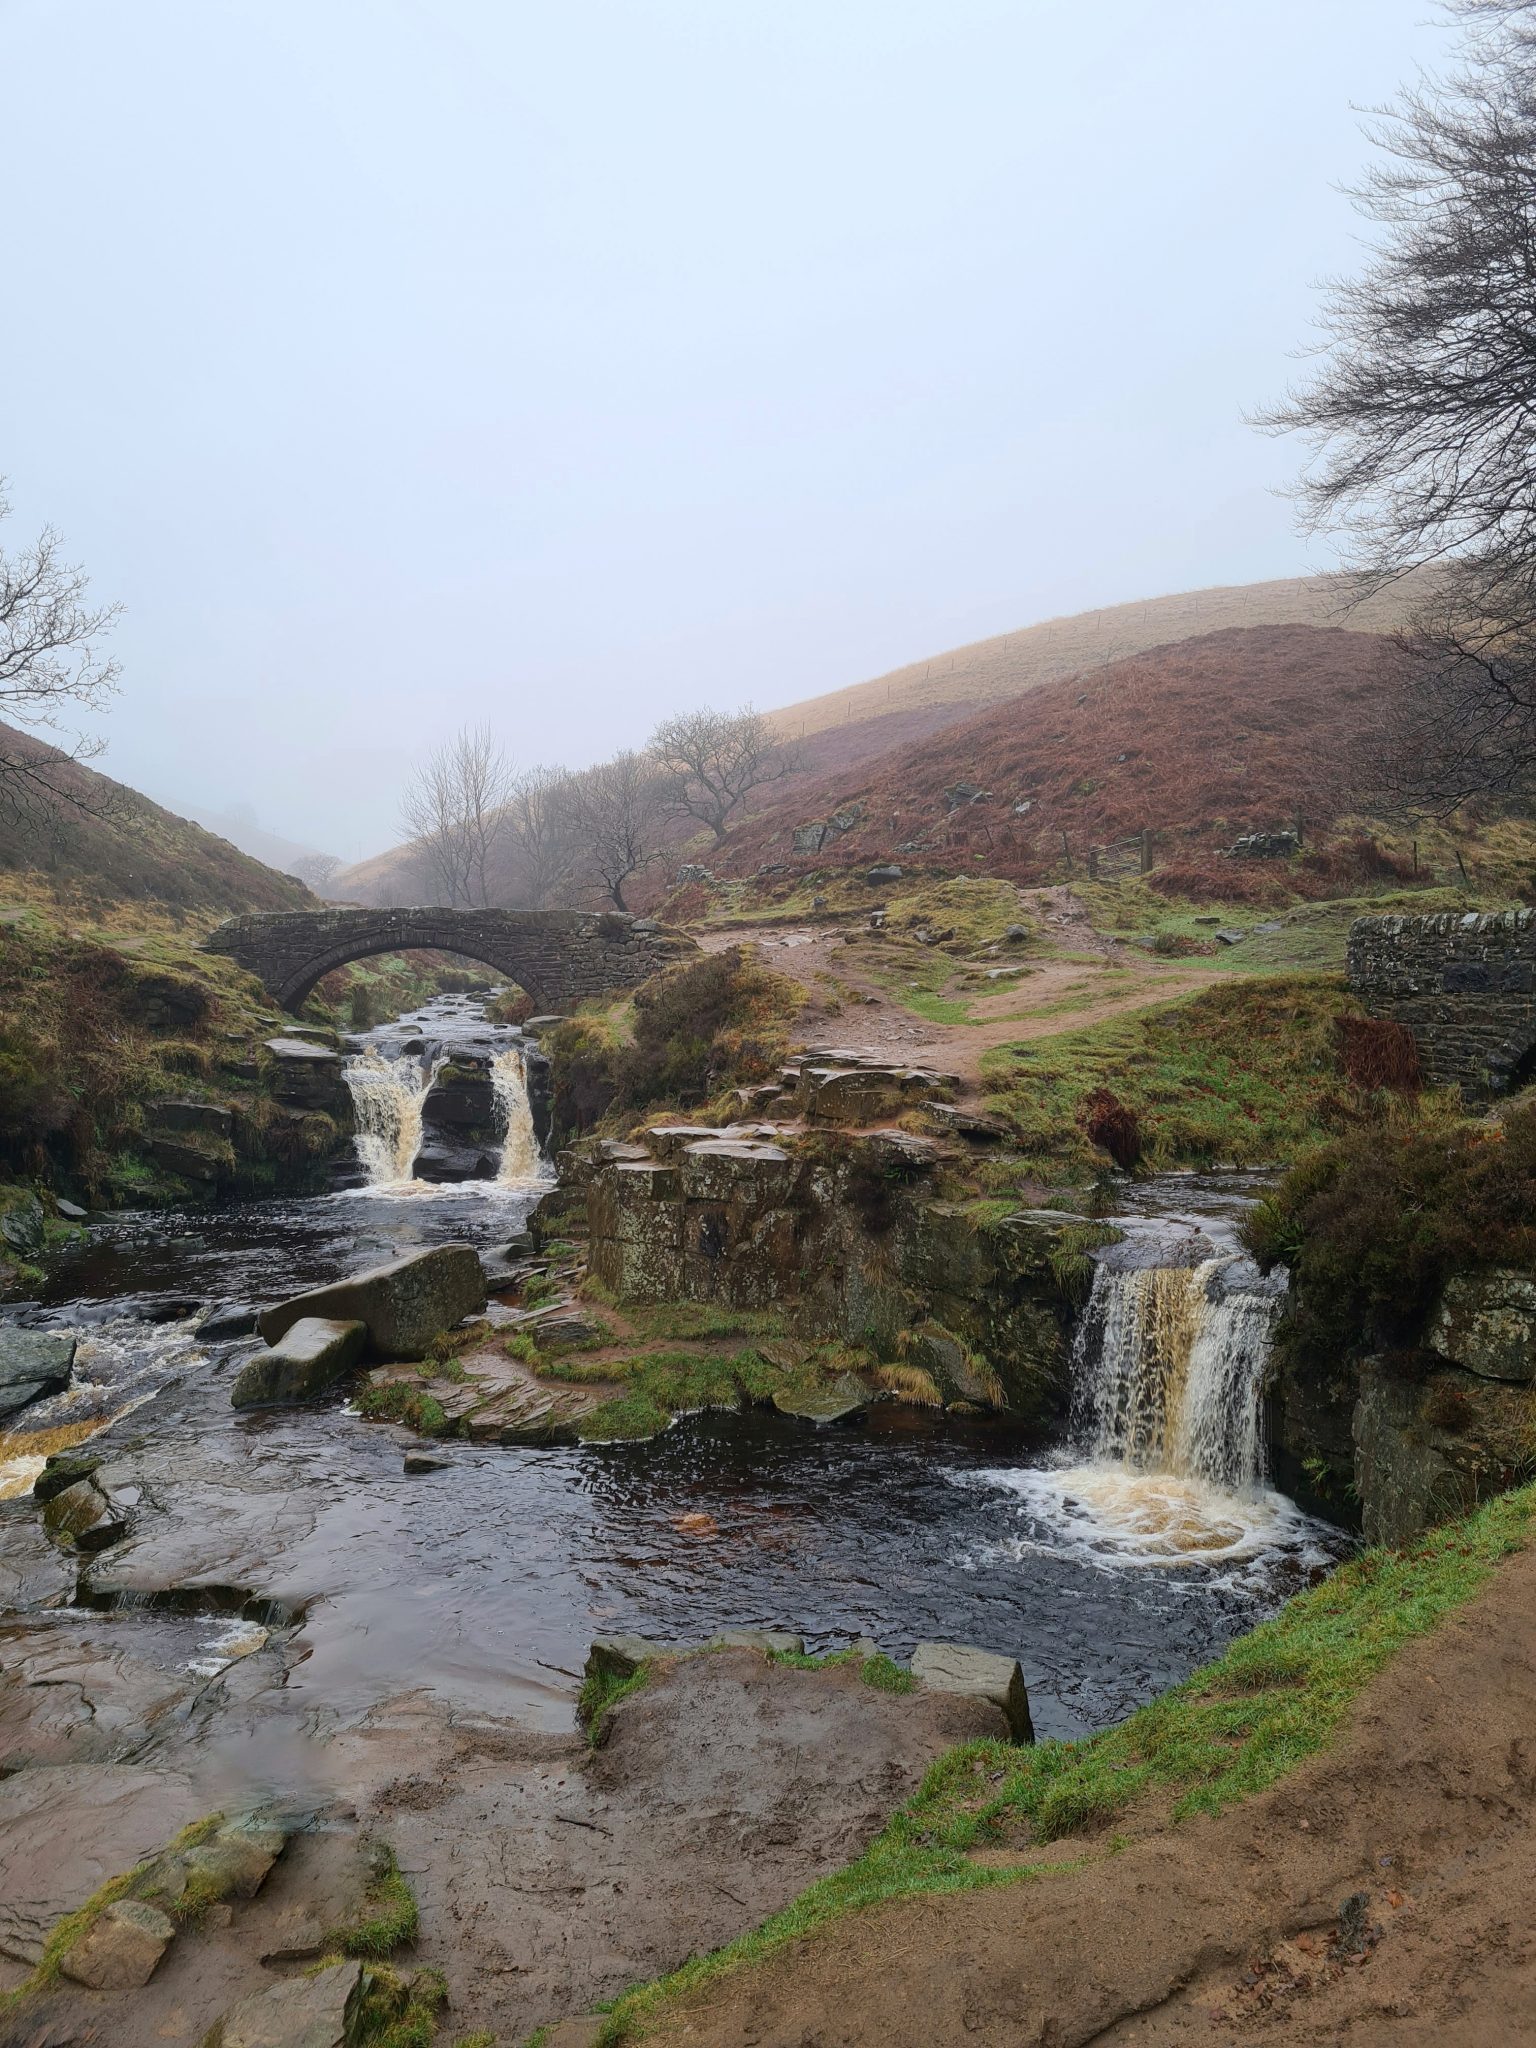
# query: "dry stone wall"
(1465, 985)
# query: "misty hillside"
(843, 735)
(947, 687)
(1235, 731)
(106, 844)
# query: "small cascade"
(1168, 1369)
(522, 1162)
(387, 1096)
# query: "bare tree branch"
(715, 759)
(455, 811)
(619, 808)
(48, 660)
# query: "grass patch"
(1245, 1072)
(1273, 1699)
(600, 1694)
(398, 1401)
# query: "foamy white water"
(1168, 1369)
(522, 1163)
(387, 1098)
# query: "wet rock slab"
(65, 1830)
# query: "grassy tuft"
(600, 1694)
(391, 1916)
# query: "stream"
(1106, 1568)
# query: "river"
(481, 1584)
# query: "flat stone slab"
(310, 1356)
(977, 1674)
(845, 1399)
(319, 2011)
(403, 1305)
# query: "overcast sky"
(399, 365)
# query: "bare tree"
(715, 760)
(543, 844)
(618, 808)
(48, 659)
(1422, 415)
(455, 810)
(1461, 721)
(318, 870)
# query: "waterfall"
(1168, 1368)
(387, 1097)
(521, 1160)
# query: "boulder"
(325, 2010)
(402, 1305)
(62, 1470)
(306, 1076)
(622, 1656)
(33, 1363)
(883, 871)
(771, 1641)
(1486, 1323)
(423, 1461)
(1230, 937)
(121, 1948)
(190, 1161)
(810, 838)
(22, 1225)
(311, 1355)
(70, 1211)
(226, 1319)
(234, 1862)
(979, 1674)
(82, 1517)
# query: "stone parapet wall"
(560, 957)
(1465, 985)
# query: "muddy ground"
(1228, 1932)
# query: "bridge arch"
(1464, 984)
(558, 956)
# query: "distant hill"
(1239, 730)
(951, 686)
(242, 828)
(842, 735)
(105, 844)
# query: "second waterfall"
(444, 1096)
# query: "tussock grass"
(1245, 1072)
(1274, 1698)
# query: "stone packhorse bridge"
(558, 956)
(1464, 985)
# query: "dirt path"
(1052, 996)
(1221, 1932)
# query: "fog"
(402, 365)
